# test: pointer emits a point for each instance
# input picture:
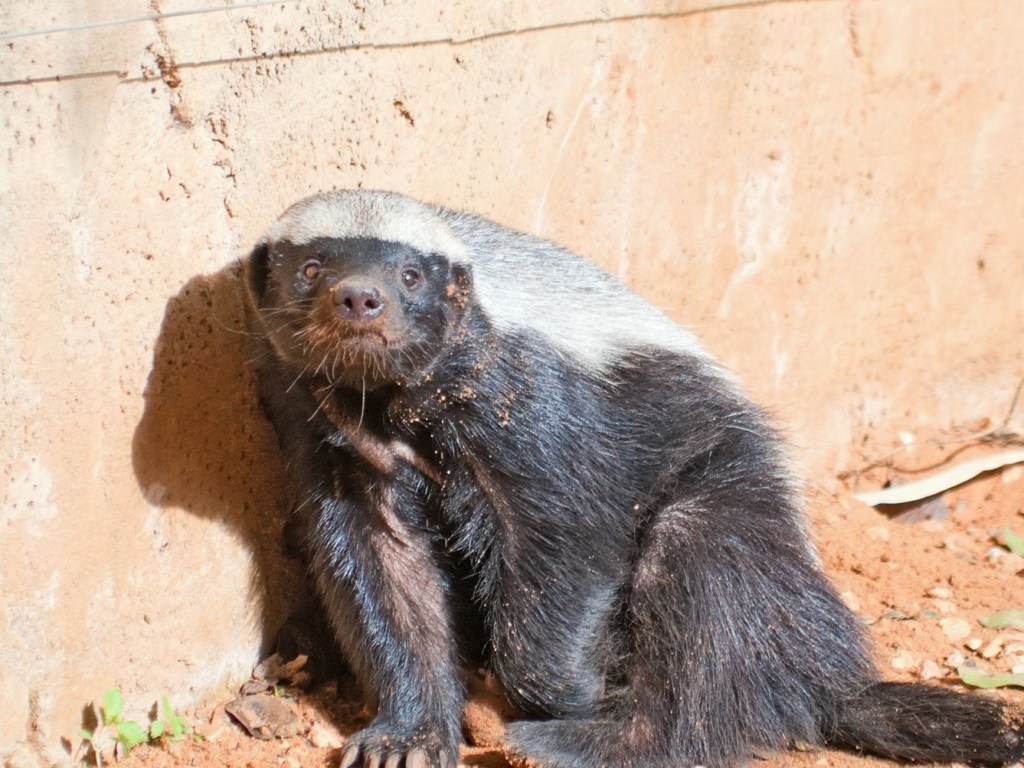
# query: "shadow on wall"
(203, 444)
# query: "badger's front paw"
(386, 746)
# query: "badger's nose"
(358, 302)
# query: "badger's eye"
(411, 277)
(311, 269)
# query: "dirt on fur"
(921, 577)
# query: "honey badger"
(505, 458)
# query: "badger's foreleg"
(375, 562)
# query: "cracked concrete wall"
(828, 192)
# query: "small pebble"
(265, 717)
(993, 649)
(904, 661)
(955, 629)
(324, 736)
(974, 643)
(851, 601)
(1012, 474)
(955, 659)
(942, 593)
(894, 615)
(931, 671)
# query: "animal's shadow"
(203, 444)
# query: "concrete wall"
(830, 192)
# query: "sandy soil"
(920, 586)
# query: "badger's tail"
(902, 721)
(929, 724)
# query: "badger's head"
(358, 288)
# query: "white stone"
(955, 629)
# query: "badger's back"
(526, 283)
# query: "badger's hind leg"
(732, 643)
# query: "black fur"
(617, 541)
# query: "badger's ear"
(462, 276)
(257, 272)
(461, 284)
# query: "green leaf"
(975, 677)
(131, 734)
(156, 729)
(113, 705)
(1008, 617)
(174, 724)
(178, 727)
(1012, 541)
(87, 734)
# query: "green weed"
(116, 736)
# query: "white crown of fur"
(372, 214)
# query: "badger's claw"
(382, 747)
